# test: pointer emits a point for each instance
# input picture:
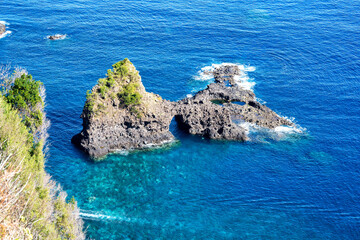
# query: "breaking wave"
(257, 133)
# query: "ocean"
(301, 58)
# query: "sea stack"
(119, 114)
(2, 28)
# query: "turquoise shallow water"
(307, 60)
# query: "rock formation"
(2, 28)
(119, 114)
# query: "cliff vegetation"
(32, 206)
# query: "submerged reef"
(120, 115)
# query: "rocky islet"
(111, 122)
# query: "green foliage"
(103, 90)
(24, 94)
(110, 78)
(123, 76)
(112, 96)
(102, 81)
(43, 192)
(72, 200)
(121, 68)
(89, 105)
(34, 120)
(129, 95)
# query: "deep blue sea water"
(307, 60)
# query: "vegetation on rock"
(31, 205)
(121, 82)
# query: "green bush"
(24, 94)
(103, 90)
(89, 105)
(124, 77)
(110, 78)
(121, 68)
(129, 95)
(102, 81)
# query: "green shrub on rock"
(129, 95)
(121, 82)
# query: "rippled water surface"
(306, 61)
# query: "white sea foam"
(5, 34)
(159, 145)
(122, 152)
(259, 134)
(4, 23)
(287, 129)
(242, 80)
(249, 127)
(145, 147)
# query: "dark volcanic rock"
(200, 115)
(109, 124)
(2, 28)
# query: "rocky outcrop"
(2, 28)
(119, 114)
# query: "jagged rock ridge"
(119, 114)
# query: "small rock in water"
(57, 37)
(2, 28)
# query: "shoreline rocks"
(120, 115)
